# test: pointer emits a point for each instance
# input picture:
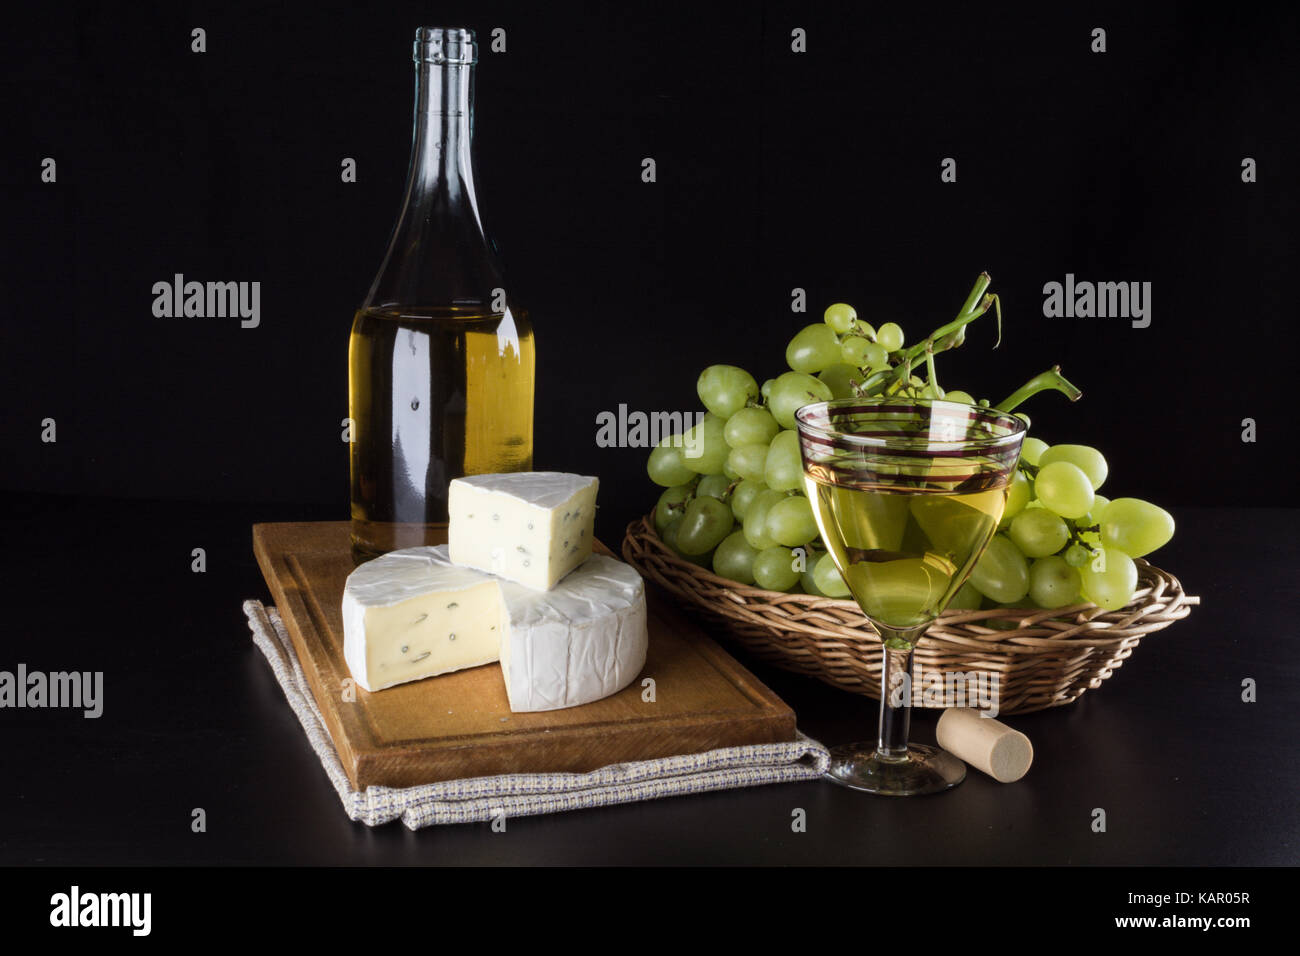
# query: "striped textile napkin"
(479, 799)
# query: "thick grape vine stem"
(1051, 379)
(932, 380)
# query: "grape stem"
(942, 339)
(981, 285)
(1076, 535)
(1051, 379)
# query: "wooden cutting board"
(460, 724)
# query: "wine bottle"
(440, 360)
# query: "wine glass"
(907, 494)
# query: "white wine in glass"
(907, 494)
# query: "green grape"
(1064, 488)
(1109, 579)
(967, 598)
(666, 465)
(1099, 503)
(862, 353)
(714, 486)
(671, 505)
(876, 358)
(1136, 527)
(790, 522)
(840, 378)
(766, 390)
(669, 535)
(705, 450)
(748, 461)
(774, 569)
(1039, 532)
(731, 473)
(1031, 450)
(734, 558)
(827, 578)
(670, 538)
(1087, 459)
(932, 392)
(1018, 495)
(890, 336)
(726, 389)
(1023, 417)
(813, 348)
(706, 522)
(755, 525)
(808, 576)
(750, 426)
(791, 391)
(1076, 556)
(1053, 583)
(840, 317)
(783, 470)
(743, 495)
(957, 395)
(1002, 573)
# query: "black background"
(775, 170)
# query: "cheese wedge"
(533, 527)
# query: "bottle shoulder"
(471, 317)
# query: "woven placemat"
(480, 799)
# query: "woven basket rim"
(1025, 631)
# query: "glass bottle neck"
(442, 162)
(439, 256)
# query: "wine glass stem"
(895, 703)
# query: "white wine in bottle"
(440, 361)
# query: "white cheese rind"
(531, 527)
(580, 642)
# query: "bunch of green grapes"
(734, 502)
(1062, 543)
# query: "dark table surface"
(1187, 772)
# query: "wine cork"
(987, 744)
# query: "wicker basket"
(1041, 658)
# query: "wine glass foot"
(925, 769)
